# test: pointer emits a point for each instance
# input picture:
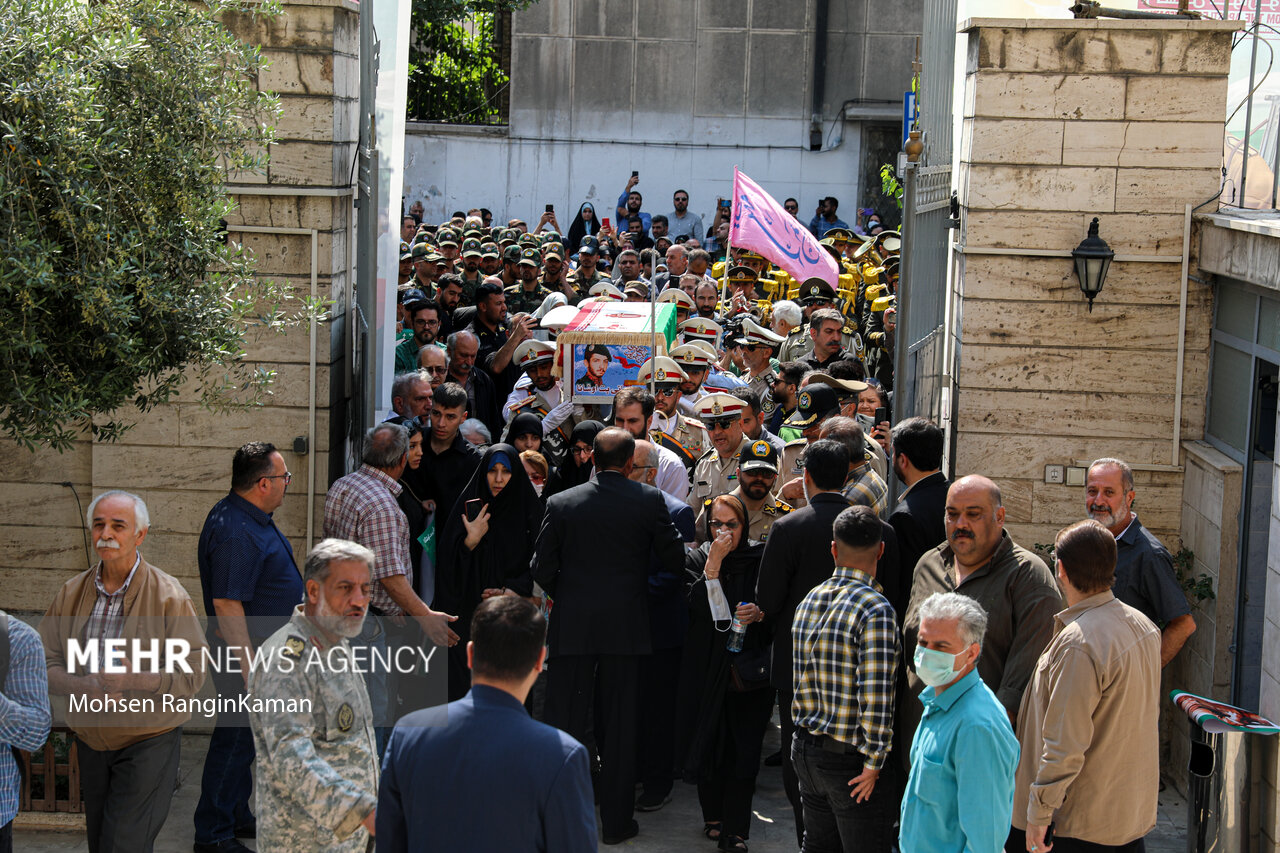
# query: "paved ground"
(676, 827)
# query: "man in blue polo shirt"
(251, 585)
(959, 795)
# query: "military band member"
(757, 477)
(742, 282)
(717, 470)
(316, 777)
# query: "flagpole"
(728, 246)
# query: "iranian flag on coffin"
(600, 352)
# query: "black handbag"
(750, 669)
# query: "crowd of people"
(579, 605)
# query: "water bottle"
(737, 632)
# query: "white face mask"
(537, 489)
(720, 611)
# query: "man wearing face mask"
(959, 795)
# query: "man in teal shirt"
(959, 796)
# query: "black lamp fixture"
(1093, 259)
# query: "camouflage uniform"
(520, 301)
(316, 774)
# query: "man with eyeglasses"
(717, 470)
(424, 314)
(758, 347)
(667, 377)
(792, 206)
(682, 223)
(432, 361)
(250, 584)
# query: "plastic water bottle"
(737, 632)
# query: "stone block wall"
(1066, 120)
(178, 457)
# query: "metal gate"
(920, 372)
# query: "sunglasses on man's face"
(668, 392)
(719, 423)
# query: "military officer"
(586, 275)
(527, 296)
(716, 472)
(814, 294)
(682, 301)
(699, 329)
(758, 347)
(757, 476)
(538, 391)
(685, 432)
(814, 404)
(696, 364)
(597, 359)
(426, 265)
(470, 268)
(316, 776)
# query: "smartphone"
(882, 415)
(606, 223)
(724, 203)
(634, 173)
(551, 208)
(472, 509)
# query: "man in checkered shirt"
(845, 656)
(361, 507)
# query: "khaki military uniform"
(758, 522)
(520, 301)
(689, 432)
(763, 386)
(799, 343)
(316, 774)
(713, 476)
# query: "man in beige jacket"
(1090, 764)
(127, 717)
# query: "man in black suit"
(918, 517)
(797, 557)
(594, 555)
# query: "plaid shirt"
(106, 621)
(24, 709)
(844, 656)
(864, 487)
(361, 507)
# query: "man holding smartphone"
(629, 205)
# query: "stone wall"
(178, 457)
(1063, 121)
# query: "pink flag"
(761, 224)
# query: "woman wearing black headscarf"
(584, 224)
(576, 468)
(725, 700)
(524, 432)
(488, 553)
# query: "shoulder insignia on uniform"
(515, 288)
(783, 507)
(293, 647)
(707, 502)
(346, 718)
(694, 423)
(797, 330)
(849, 328)
(707, 455)
(795, 442)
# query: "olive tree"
(117, 284)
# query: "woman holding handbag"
(725, 697)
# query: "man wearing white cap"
(717, 470)
(538, 391)
(758, 347)
(666, 377)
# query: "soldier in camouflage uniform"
(316, 774)
(527, 296)
(586, 275)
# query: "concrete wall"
(681, 90)
(1063, 121)
(178, 457)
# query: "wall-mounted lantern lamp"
(1093, 259)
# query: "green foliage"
(455, 70)
(1199, 587)
(117, 119)
(890, 185)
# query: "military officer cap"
(603, 291)
(446, 237)
(590, 245)
(753, 334)
(691, 357)
(829, 243)
(816, 290)
(406, 253)
(489, 250)
(471, 248)
(706, 347)
(814, 402)
(890, 241)
(533, 352)
(420, 251)
(839, 234)
(662, 370)
(678, 296)
(845, 388)
(717, 406)
(749, 255)
(699, 329)
(511, 253)
(553, 250)
(530, 257)
(742, 275)
(759, 455)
